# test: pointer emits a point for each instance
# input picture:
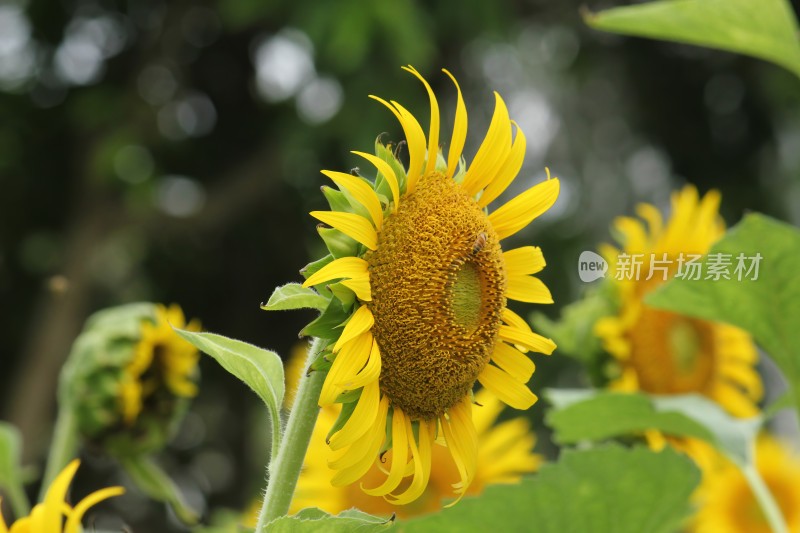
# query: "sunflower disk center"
(438, 290)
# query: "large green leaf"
(767, 307)
(261, 370)
(586, 415)
(314, 520)
(295, 296)
(766, 29)
(609, 489)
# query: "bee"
(480, 242)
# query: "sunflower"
(161, 360)
(727, 504)
(505, 452)
(427, 285)
(660, 352)
(49, 516)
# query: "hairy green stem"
(284, 467)
(63, 448)
(769, 506)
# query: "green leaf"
(767, 307)
(328, 325)
(584, 415)
(338, 244)
(261, 370)
(11, 477)
(766, 29)
(336, 199)
(295, 296)
(313, 520)
(153, 481)
(602, 490)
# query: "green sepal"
(441, 164)
(385, 153)
(461, 171)
(336, 199)
(338, 244)
(314, 266)
(348, 396)
(345, 295)
(387, 442)
(153, 481)
(344, 416)
(356, 206)
(322, 362)
(295, 296)
(327, 325)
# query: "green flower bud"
(129, 378)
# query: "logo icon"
(591, 266)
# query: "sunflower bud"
(129, 378)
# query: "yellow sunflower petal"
(461, 439)
(421, 457)
(653, 217)
(362, 418)
(743, 376)
(74, 521)
(369, 374)
(361, 287)
(459, 131)
(513, 319)
(530, 340)
(360, 321)
(528, 289)
(524, 260)
(520, 211)
(513, 361)
(3, 526)
(350, 360)
(345, 267)
(361, 191)
(399, 456)
(493, 151)
(733, 400)
(25, 524)
(415, 138)
(433, 131)
(363, 457)
(388, 172)
(55, 497)
(508, 389)
(352, 225)
(508, 171)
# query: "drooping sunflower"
(660, 352)
(505, 452)
(54, 514)
(161, 360)
(424, 285)
(726, 502)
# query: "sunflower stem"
(769, 506)
(284, 468)
(63, 448)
